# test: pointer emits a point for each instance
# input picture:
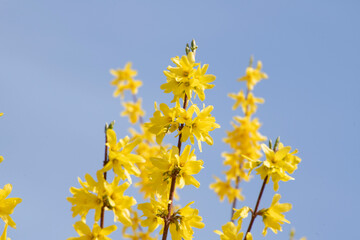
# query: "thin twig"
(105, 175)
(173, 182)
(255, 213)
(234, 202)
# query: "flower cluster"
(102, 195)
(7, 205)
(171, 168)
(167, 120)
(244, 139)
(124, 81)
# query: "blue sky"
(55, 93)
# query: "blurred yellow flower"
(133, 111)
(123, 74)
(97, 233)
(224, 189)
(230, 232)
(253, 75)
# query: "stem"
(234, 202)
(140, 117)
(173, 182)
(105, 175)
(254, 214)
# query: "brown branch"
(106, 160)
(173, 182)
(234, 202)
(141, 120)
(255, 212)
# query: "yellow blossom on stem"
(248, 103)
(182, 222)
(225, 189)
(97, 233)
(230, 232)
(184, 79)
(95, 195)
(133, 111)
(132, 85)
(277, 163)
(241, 214)
(121, 160)
(123, 74)
(7, 205)
(154, 211)
(163, 121)
(171, 164)
(139, 236)
(272, 216)
(199, 127)
(253, 75)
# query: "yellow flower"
(239, 99)
(251, 102)
(131, 85)
(184, 79)
(183, 221)
(248, 103)
(139, 236)
(245, 134)
(230, 232)
(7, 205)
(273, 217)
(163, 121)
(199, 127)
(97, 233)
(224, 188)
(278, 163)
(241, 214)
(121, 160)
(171, 164)
(123, 74)
(95, 195)
(253, 76)
(133, 110)
(154, 211)
(1, 114)
(237, 163)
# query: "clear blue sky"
(55, 58)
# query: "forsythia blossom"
(95, 195)
(97, 232)
(133, 111)
(253, 75)
(244, 139)
(276, 164)
(121, 160)
(272, 216)
(124, 80)
(169, 120)
(171, 163)
(7, 205)
(185, 79)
